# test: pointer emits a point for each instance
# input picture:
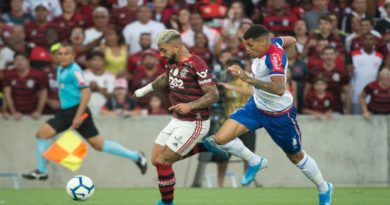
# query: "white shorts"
(181, 136)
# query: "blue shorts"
(283, 128)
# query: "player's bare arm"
(288, 41)
(78, 118)
(211, 96)
(276, 86)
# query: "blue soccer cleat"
(162, 203)
(326, 198)
(251, 172)
(212, 147)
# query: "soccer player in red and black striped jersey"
(379, 92)
(192, 91)
(25, 89)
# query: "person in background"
(319, 8)
(201, 48)
(379, 93)
(115, 52)
(301, 34)
(36, 29)
(120, 104)
(319, 102)
(297, 70)
(156, 105)
(99, 80)
(25, 89)
(17, 16)
(101, 18)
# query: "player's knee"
(296, 158)
(219, 140)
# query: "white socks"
(310, 169)
(238, 149)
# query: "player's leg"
(285, 132)
(47, 131)
(89, 131)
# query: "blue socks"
(41, 146)
(117, 149)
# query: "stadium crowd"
(342, 46)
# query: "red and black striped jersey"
(186, 80)
(379, 98)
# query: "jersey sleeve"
(368, 89)
(79, 78)
(276, 62)
(278, 40)
(203, 74)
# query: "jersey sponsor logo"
(327, 103)
(336, 77)
(201, 82)
(30, 83)
(80, 77)
(202, 74)
(276, 62)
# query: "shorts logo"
(294, 142)
(202, 74)
(175, 144)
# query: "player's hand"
(181, 108)
(36, 115)
(238, 72)
(77, 121)
(17, 116)
(366, 115)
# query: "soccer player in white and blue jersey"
(74, 97)
(271, 107)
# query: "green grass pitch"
(241, 196)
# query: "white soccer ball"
(80, 188)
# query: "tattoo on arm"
(276, 86)
(160, 82)
(211, 96)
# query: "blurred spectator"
(36, 29)
(298, 70)
(17, 16)
(115, 51)
(319, 8)
(197, 26)
(212, 12)
(218, 69)
(280, 19)
(100, 22)
(244, 26)
(150, 72)
(99, 80)
(156, 105)
(375, 97)
(125, 15)
(201, 48)
(54, 7)
(87, 8)
(292, 88)
(359, 9)
(144, 24)
(160, 11)
(301, 34)
(335, 27)
(183, 19)
(81, 50)
(365, 64)
(65, 23)
(319, 102)
(336, 77)
(383, 25)
(25, 89)
(235, 15)
(15, 43)
(120, 104)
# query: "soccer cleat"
(35, 174)
(212, 147)
(251, 172)
(142, 163)
(326, 198)
(162, 203)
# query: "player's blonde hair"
(167, 36)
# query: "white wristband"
(143, 91)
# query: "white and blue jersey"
(70, 81)
(273, 112)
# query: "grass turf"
(242, 196)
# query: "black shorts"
(64, 118)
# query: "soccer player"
(270, 107)
(192, 91)
(74, 96)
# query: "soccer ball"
(80, 188)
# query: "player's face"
(168, 52)
(255, 47)
(65, 56)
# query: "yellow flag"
(69, 150)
